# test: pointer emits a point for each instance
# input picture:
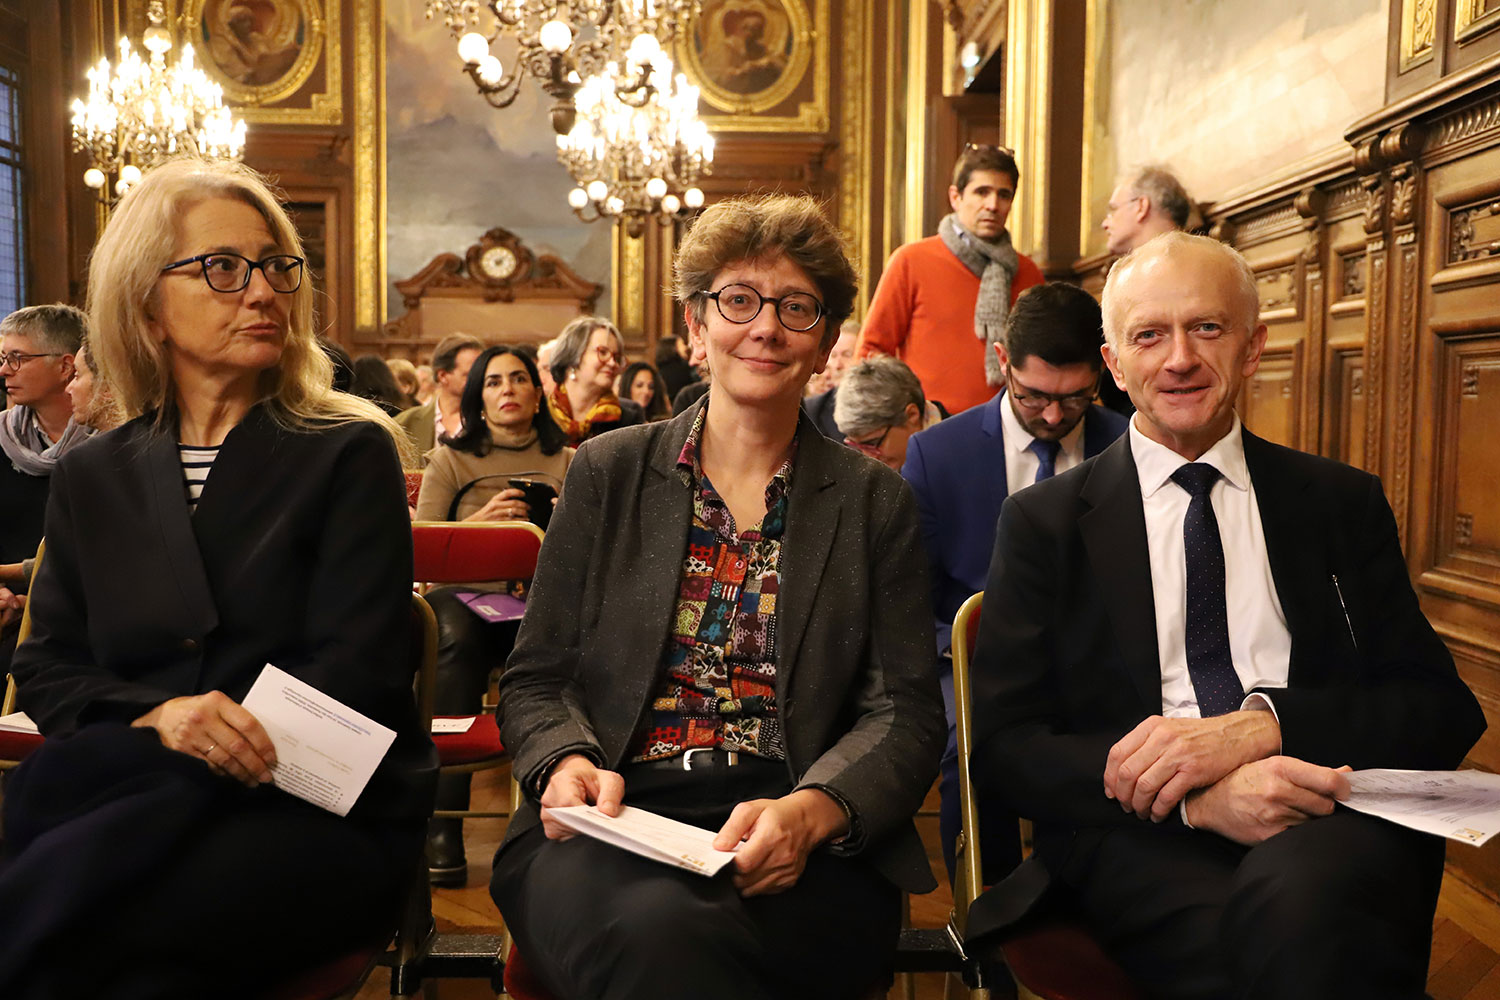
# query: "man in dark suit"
(1184, 642)
(962, 469)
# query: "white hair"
(1167, 245)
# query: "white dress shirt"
(1259, 642)
(1021, 463)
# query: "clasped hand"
(218, 729)
(771, 838)
(1158, 762)
(1264, 797)
(507, 505)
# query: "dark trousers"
(1340, 906)
(598, 922)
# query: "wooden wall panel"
(1270, 406)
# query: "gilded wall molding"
(810, 53)
(1418, 30)
(369, 166)
(1472, 18)
(321, 45)
(855, 126)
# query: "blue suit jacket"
(956, 468)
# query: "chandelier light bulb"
(643, 48)
(473, 47)
(94, 178)
(555, 37)
(130, 174)
(693, 197)
(578, 197)
(121, 187)
(490, 71)
(656, 188)
(670, 204)
(615, 205)
(598, 190)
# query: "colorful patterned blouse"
(718, 688)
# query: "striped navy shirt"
(196, 463)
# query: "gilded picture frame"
(749, 56)
(1472, 18)
(262, 52)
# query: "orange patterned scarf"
(606, 408)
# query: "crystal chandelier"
(559, 43)
(637, 162)
(147, 112)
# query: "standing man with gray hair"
(1144, 204)
(942, 301)
(37, 349)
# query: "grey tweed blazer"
(861, 710)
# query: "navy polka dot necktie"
(1046, 457)
(1210, 665)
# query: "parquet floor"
(1465, 935)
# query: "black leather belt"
(695, 759)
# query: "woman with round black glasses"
(247, 515)
(728, 626)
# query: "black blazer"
(861, 711)
(299, 555)
(1067, 660)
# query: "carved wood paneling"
(1467, 518)
(1352, 275)
(1374, 355)
(1347, 407)
(1270, 404)
(1405, 362)
(1280, 293)
(1474, 232)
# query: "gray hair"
(57, 327)
(1167, 245)
(875, 393)
(574, 339)
(1161, 187)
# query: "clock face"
(498, 263)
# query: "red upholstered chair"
(448, 552)
(15, 746)
(1052, 958)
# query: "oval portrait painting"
(743, 47)
(254, 44)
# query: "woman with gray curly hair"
(584, 361)
(879, 406)
(247, 515)
(726, 627)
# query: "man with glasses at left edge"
(942, 301)
(1044, 421)
(37, 347)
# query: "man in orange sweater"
(943, 300)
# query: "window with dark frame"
(12, 224)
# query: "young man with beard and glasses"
(1043, 422)
(942, 301)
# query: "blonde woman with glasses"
(246, 515)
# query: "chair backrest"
(463, 552)
(9, 704)
(969, 881)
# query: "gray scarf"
(19, 438)
(995, 265)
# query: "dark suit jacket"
(1067, 659)
(820, 409)
(957, 471)
(860, 708)
(299, 555)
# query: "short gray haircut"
(570, 344)
(1167, 245)
(57, 327)
(875, 393)
(1165, 192)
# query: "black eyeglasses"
(1035, 402)
(797, 311)
(229, 272)
(15, 359)
(871, 448)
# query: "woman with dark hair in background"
(641, 384)
(508, 434)
(373, 381)
(584, 362)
